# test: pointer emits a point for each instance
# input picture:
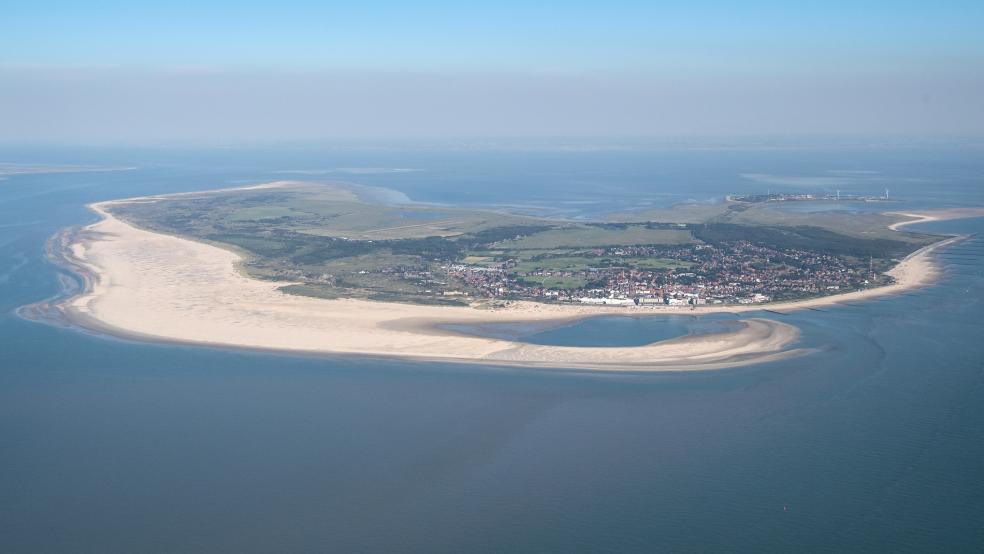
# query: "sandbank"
(926, 216)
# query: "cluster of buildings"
(789, 197)
(736, 273)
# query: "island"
(331, 268)
(9, 169)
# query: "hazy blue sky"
(220, 71)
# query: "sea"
(872, 443)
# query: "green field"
(655, 263)
(574, 263)
(557, 283)
(558, 264)
(262, 213)
(591, 236)
(867, 225)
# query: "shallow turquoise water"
(874, 443)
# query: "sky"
(152, 72)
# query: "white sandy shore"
(935, 215)
(160, 287)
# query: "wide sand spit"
(153, 286)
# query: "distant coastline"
(9, 169)
(151, 286)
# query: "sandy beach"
(935, 215)
(152, 286)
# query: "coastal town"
(698, 274)
(836, 196)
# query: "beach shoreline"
(927, 216)
(150, 286)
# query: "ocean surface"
(873, 443)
